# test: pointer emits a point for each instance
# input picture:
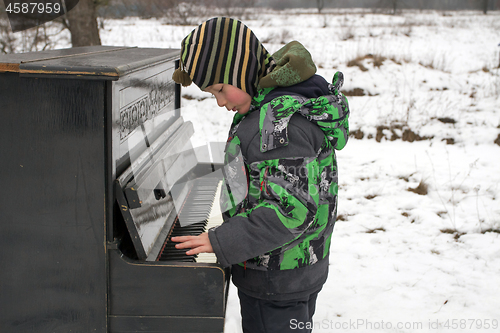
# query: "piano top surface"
(108, 62)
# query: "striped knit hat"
(223, 50)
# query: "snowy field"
(417, 244)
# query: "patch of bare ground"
(497, 141)
(357, 134)
(354, 92)
(421, 189)
(374, 230)
(454, 232)
(343, 217)
(446, 120)
(497, 231)
(357, 92)
(377, 61)
(407, 215)
(394, 129)
(395, 132)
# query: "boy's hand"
(196, 244)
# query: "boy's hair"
(223, 50)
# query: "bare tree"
(232, 8)
(394, 5)
(38, 38)
(82, 23)
(320, 4)
(485, 6)
(419, 4)
(182, 12)
(480, 4)
(6, 38)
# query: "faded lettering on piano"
(142, 101)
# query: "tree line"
(82, 20)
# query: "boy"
(288, 122)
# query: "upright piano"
(97, 173)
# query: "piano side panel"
(53, 269)
(166, 293)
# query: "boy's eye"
(220, 90)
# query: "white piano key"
(214, 220)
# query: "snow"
(400, 261)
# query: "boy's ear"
(181, 77)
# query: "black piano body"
(81, 129)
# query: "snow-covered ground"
(401, 261)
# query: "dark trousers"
(262, 316)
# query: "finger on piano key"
(200, 212)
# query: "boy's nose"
(221, 101)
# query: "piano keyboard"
(200, 212)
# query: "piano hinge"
(112, 245)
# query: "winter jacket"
(280, 189)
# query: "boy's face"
(233, 98)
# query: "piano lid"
(91, 62)
(155, 186)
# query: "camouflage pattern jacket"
(280, 189)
